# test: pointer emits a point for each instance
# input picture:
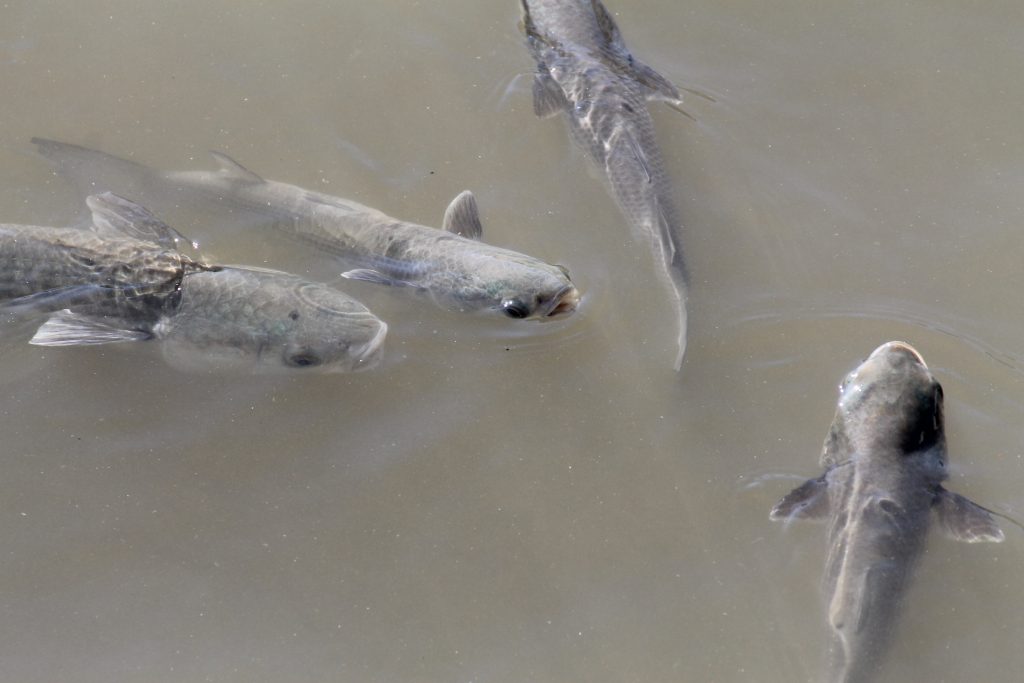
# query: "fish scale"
(142, 279)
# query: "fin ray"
(462, 217)
(965, 520)
(66, 328)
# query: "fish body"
(885, 461)
(451, 266)
(70, 264)
(125, 279)
(586, 73)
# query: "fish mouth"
(901, 347)
(564, 303)
(368, 355)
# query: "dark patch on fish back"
(396, 248)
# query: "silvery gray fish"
(128, 278)
(885, 461)
(452, 266)
(585, 71)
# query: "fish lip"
(368, 354)
(563, 303)
(900, 345)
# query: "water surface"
(510, 502)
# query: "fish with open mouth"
(452, 266)
(128, 277)
(885, 460)
(585, 72)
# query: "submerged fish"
(885, 461)
(585, 71)
(452, 266)
(127, 279)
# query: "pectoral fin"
(963, 520)
(807, 501)
(65, 328)
(377, 278)
(657, 85)
(235, 170)
(462, 217)
(548, 98)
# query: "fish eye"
(514, 308)
(565, 271)
(304, 359)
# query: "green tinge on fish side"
(885, 460)
(585, 72)
(125, 279)
(451, 266)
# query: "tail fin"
(682, 331)
(667, 243)
(92, 171)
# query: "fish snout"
(899, 348)
(564, 303)
(368, 355)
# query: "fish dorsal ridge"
(462, 217)
(235, 170)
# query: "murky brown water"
(508, 502)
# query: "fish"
(128, 277)
(452, 266)
(586, 73)
(885, 460)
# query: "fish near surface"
(452, 266)
(127, 279)
(885, 461)
(585, 72)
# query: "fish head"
(328, 330)
(272, 321)
(523, 288)
(890, 403)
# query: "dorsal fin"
(607, 24)
(116, 216)
(234, 169)
(462, 216)
(622, 147)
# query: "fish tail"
(682, 335)
(92, 170)
(667, 241)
